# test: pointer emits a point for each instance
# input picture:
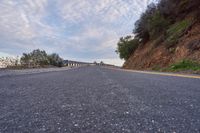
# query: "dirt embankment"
(153, 55)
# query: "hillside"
(167, 34)
(150, 57)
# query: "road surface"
(96, 99)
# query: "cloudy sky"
(85, 30)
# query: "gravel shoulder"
(9, 72)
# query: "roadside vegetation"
(164, 24)
(39, 58)
(35, 59)
(175, 31)
(184, 65)
(126, 46)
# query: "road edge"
(158, 73)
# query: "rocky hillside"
(150, 57)
(166, 33)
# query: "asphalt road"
(95, 99)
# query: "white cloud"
(107, 10)
(94, 26)
(23, 19)
(21, 24)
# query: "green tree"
(26, 59)
(126, 46)
(55, 60)
(41, 58)
(151, 24)
(157, 24)
(141, 29)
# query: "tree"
(41, 58)
(126, 46)
(55, 60)
(26, 59)
(102, 63)
(157, 24)
(141, 29)
(158, 20)
(153, 22)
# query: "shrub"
(126, 46)
(157, 25)
(167, 7)
(176, 31)
(186, 6)
(185, 65)
(183, 4)
(151, 24)
(55, 60)
(141, 29)
(157, 18)
(158, 41)
(38, 58)
(35, 58)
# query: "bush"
(185, 65)
(156, 19)
(176, 31)
(141, 29)
(35, 58)
(151, 24)
(158, 41)
(186, 6)
(157, 25)
(127, 46)
(55, 60)
(39, 58)
(167, 7)
(183, 4)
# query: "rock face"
(150, 56)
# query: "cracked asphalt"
(98, 100)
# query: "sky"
(82, 30)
